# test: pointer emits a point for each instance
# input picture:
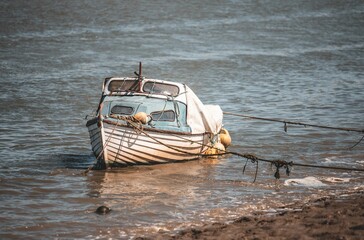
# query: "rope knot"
(279, 164)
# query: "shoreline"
(332, 217)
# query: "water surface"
(296, 60)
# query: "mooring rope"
(135, 124)
(285, 122)
(356, 144)
(278, 164)
(284, 164)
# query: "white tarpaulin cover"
(202, 118)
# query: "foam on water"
(336, 180)
(306, 182)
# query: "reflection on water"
(167, 196)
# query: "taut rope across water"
(253, 158)
(285, 122)
(295, 123)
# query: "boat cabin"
(163, 101)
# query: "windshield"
(123, 85)
(161, 88)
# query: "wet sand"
(339, 217)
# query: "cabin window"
(161, 88)
(166, 116)
(123, 85)
(122, 110)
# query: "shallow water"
(295, 60)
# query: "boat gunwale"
(148, 128)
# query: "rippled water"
(296, 60)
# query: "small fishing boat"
(148, 121)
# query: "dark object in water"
(103, 210)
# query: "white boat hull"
(120, 145)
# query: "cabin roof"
(109, 81)
(147, 86)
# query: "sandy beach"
(339, 217)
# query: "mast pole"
(140, 76)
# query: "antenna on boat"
(140, 78)
(140, 70)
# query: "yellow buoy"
(225, 138)
(220, 148)
(215, 149)
(211, 151)
(141, 117)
